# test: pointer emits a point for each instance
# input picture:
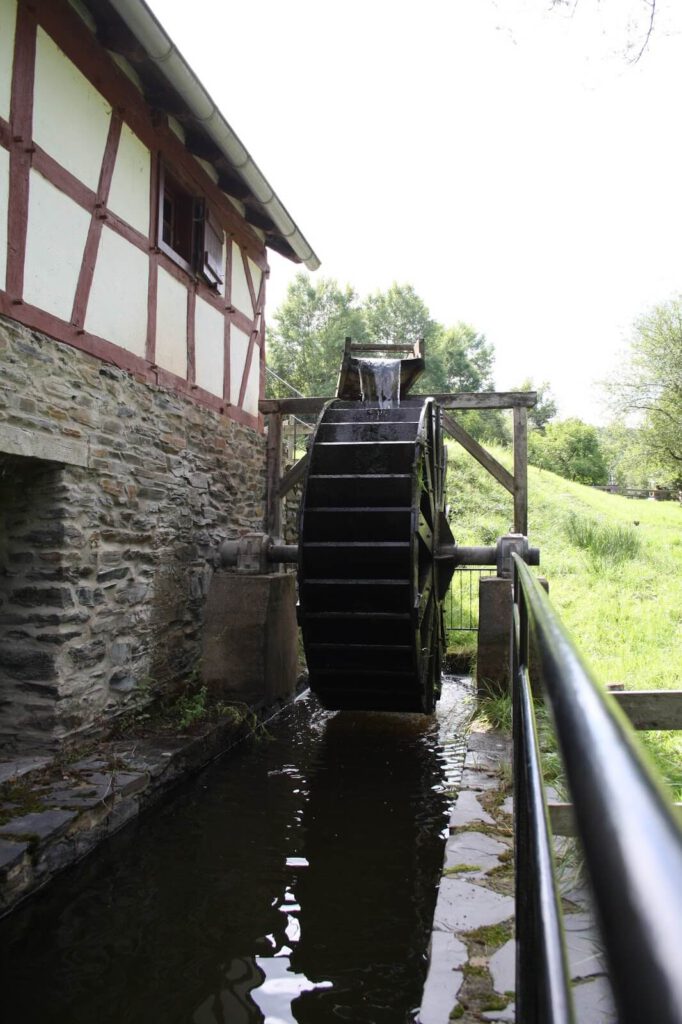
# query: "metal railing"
(461, 601)
(631, 841)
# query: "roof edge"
(172, 65)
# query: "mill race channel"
(293, 880)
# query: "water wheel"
(370, 584)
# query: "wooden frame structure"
(279, 485)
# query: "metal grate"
(461, 602)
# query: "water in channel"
(293, 880)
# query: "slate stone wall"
(104, 567)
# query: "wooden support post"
(521, 470)
(273, 510)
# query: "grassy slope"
(625, 618)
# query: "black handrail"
(630, 837)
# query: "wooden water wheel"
(370, 584)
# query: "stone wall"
(105, 558)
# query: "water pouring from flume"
(380, 381)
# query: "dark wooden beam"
(201, 145)
(463, 400)
(496, 469)
(280, 245)
(259, 219)
(230, 183)
(486, 399)
(293, 476)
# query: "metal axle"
(258, 552)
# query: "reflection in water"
(292, 882)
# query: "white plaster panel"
(239, 344)
(70, 118)
(117, 309)
(55, 240)
(209, 347)
(171, 324)
(130, 183)
(8, 18)
(4, 198)
(251, 395)
(241, 296)
(256, 275)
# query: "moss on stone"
(489, 936)
(458, 869)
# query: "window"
(189, 231)
(177, 226)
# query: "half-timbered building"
(134, 238)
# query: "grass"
(614, 566)
(605, 544)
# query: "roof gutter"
(163, 52)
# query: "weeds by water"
(186, 711)
(496, 711)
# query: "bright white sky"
(504, 159)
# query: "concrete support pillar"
(494, 635)
(250, 637)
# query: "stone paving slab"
(503, 967)
(478, 779)
(585, 949)
(475, 849)
(10, 771)
(469, 909)
(462, 906)
(468, 810)
(593, 1002)
(40, 825)
(444, 980)
(79, 797)
(10, 853)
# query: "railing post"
(521, 470)
(542, 980)
(522, 866)
(273, 507)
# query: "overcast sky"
(505, 159)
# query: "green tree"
(459, 359)
(649, 384)
(545, 409)
(628, 464)
(399, 315)
(570, 448)
(306, 345)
